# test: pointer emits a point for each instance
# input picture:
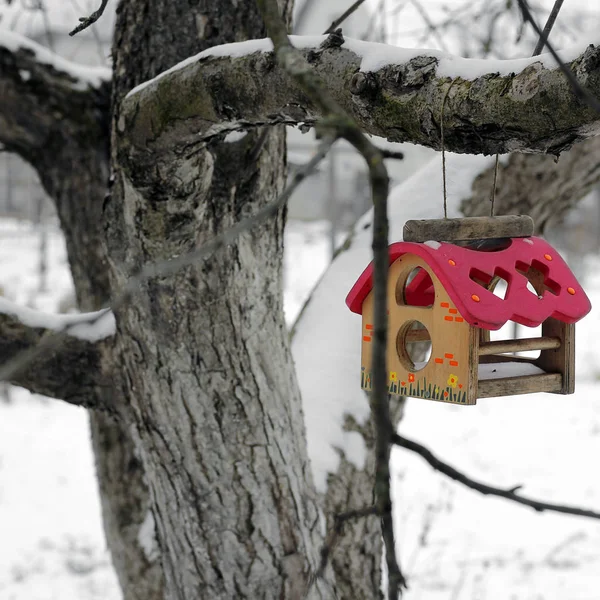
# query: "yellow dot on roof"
(547, 257)
(475, 298)
(571, 291)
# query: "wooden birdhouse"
(445, 295)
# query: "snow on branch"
(337, 120)
(493, 106)
(69, 371)
(47, 100)
(78, 76)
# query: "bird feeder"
(446, 295)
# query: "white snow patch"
(326, 345)
(233, 50)
(147, 537)
(375, 56)
(83, 76)
(235, 136)
(24, 75)
(433, 244)
(508, 369)
(85, 326)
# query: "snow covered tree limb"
(493, 106)
(49, 105)
(70, 371)
(54, 114)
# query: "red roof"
(458, 268)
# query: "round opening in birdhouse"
(413, 344)
(415, 288)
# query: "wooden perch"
(468, 228)
(520, 345)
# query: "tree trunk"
(123, 491)
(203, 469)
(216, 409)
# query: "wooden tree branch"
(86, 22)
(49, 105)
(335, 119)
(333, 536)
(397, 96)
(69, 371)
(347, 13)
(55, 115)
(51, 342)
(510, 494)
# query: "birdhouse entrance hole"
(413, 344)
(415, 288)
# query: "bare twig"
(85, 22)
(336, 118)
(335, 532)
(510, 494)
(335, 24)
(548, 28)
(581, 92)
(51, 341)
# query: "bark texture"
(201, 376)
(534, 110)
(72, 371)
(219, 425)
(61, 125)
(356, 558)
(540, 186)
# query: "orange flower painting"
(452, 381)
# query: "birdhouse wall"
(450, 375)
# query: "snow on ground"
(51, 540)
(454, 543)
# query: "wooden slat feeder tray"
(441, 291)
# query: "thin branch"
(581, 92)
(548, 28)
(296, 66)
(335, 24)
(332, 538)
(53, 340)
(85, 22)
(510, 494)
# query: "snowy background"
(454, 544)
